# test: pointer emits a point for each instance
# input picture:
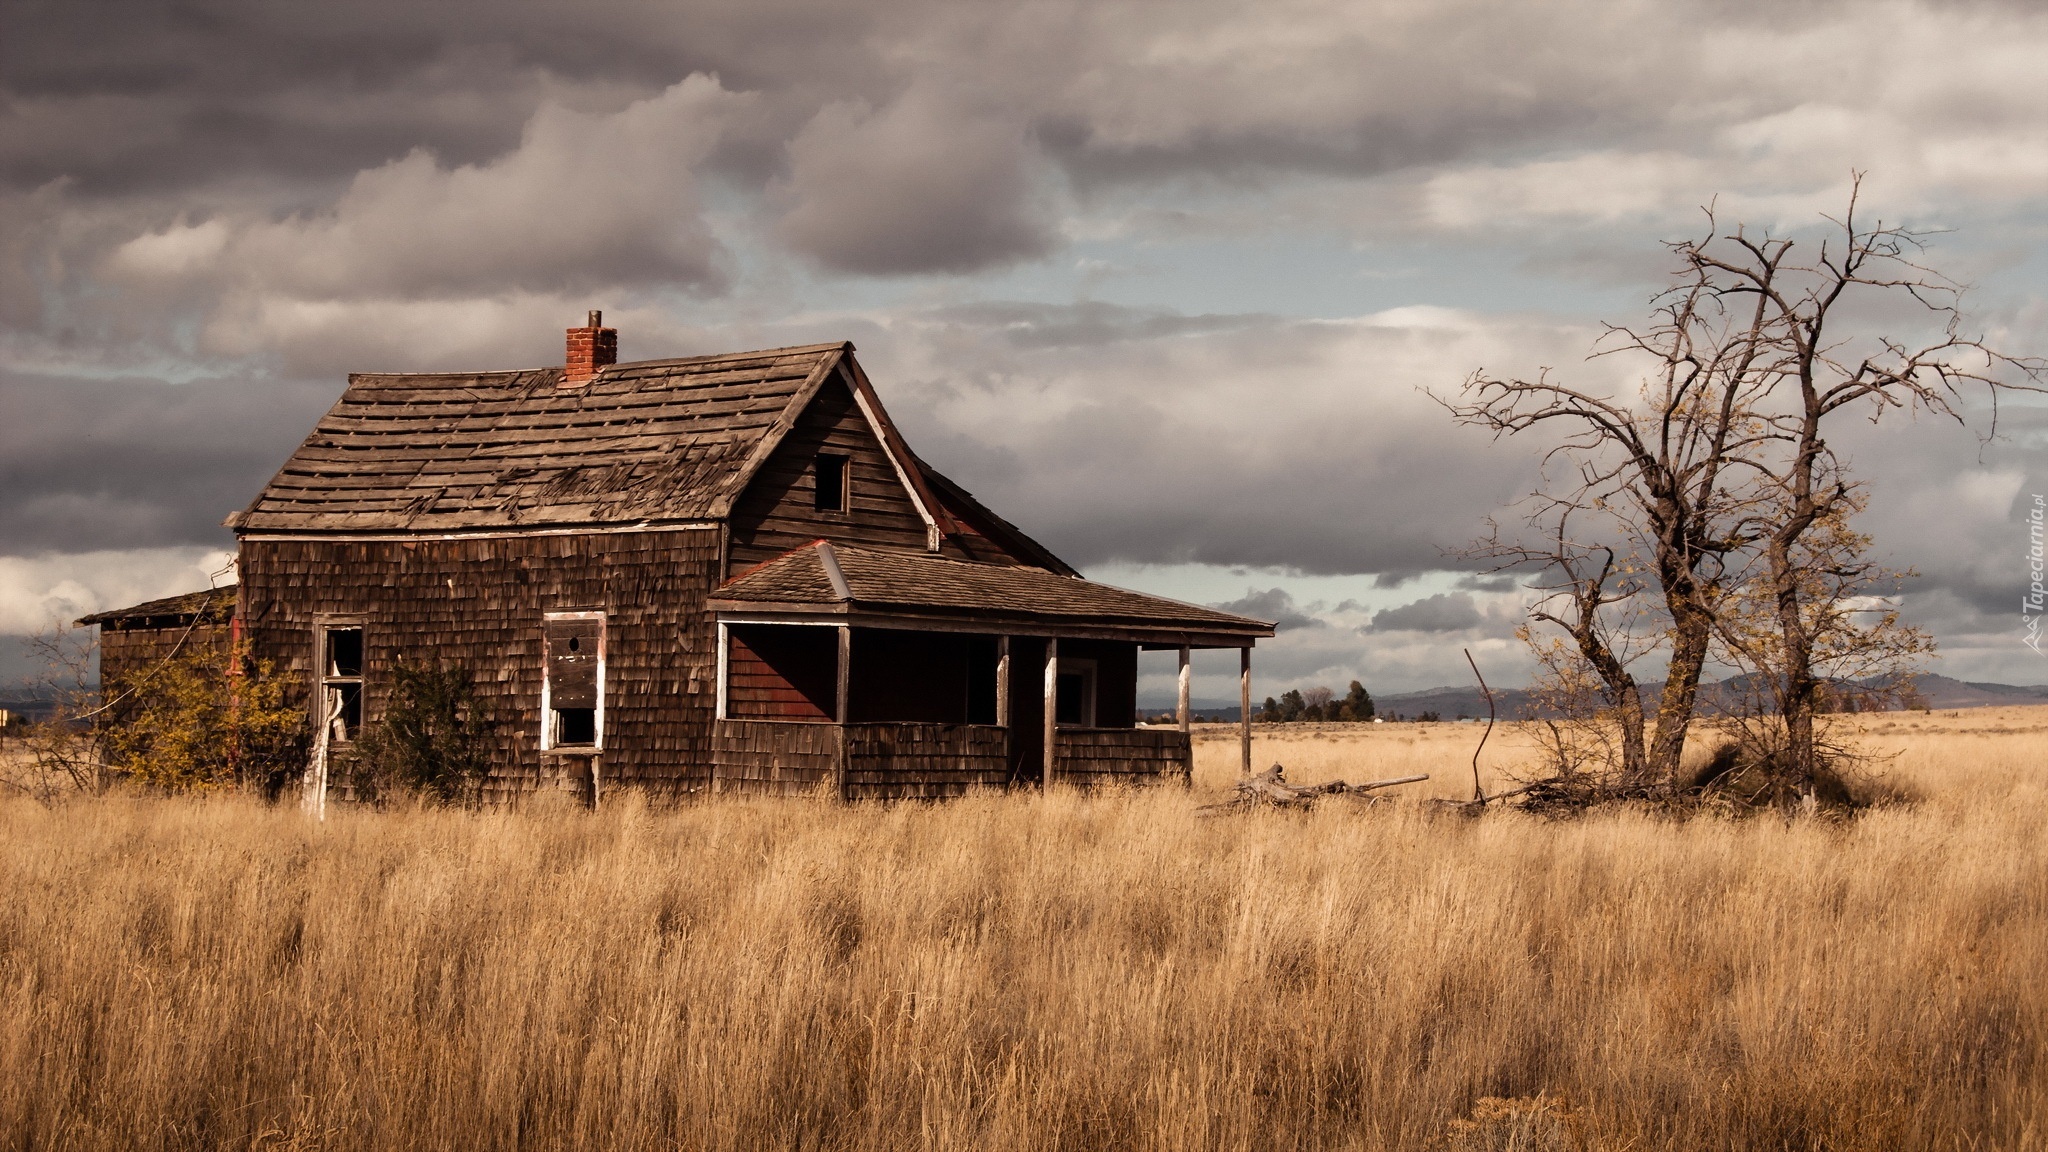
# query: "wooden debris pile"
(1271, 789)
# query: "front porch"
(877, 675)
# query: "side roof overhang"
(211, 606)
(824, 583)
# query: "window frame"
(845, 504)
(323, 682)
(550, 722)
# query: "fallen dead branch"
(1270, 788)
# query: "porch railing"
(906, 760)
(1119, 755)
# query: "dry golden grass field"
(1045, 972)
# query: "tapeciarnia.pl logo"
(2035, 602)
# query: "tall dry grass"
(1035, 972)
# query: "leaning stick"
(1478, 796)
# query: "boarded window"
(341, 681)
(574, 646)
(829, 490)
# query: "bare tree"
(65, 752)
(1717, 476)
(1587, 691)
(1815, 366)
(1659, 466)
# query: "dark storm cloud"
(583, 201)
(1501, 583)
(154, 95)
(157, 96)
(113, 464)
(890, 139)
(236, 190)
(1443, 612)
(1275, 606)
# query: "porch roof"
(917, 590)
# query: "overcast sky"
(1162, 282)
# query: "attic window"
(572, 691)
(828, 491)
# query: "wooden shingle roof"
(652, 441)
(838, 579)
(210, 606)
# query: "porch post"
(1244, 715)
(1002, 681)
(1052, 689)
(839, 765)
(1187, 752)
(723, 672)
(724, 645)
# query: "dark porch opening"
(924, 677)
(782, 672)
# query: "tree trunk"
(1798, 690)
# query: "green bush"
(431, 740)
(205, 718)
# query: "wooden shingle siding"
(130, 656)
(883, 761)
(776, 512)
(479, 602)
(1121, 755)
(766, 758)
(924, 761)
(134, 643)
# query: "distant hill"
(1945, 692)
(26, 706)
(1936, 691)
(1450, 703)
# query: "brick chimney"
(590, 348)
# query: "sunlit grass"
(1066, 971)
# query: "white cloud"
(180, 250)
(930, 183)
(38, 592)
(584, 200)
(1126, 436)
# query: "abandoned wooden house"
(722, 573)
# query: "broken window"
(572, 692)
(829, 483)
(341, 681)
